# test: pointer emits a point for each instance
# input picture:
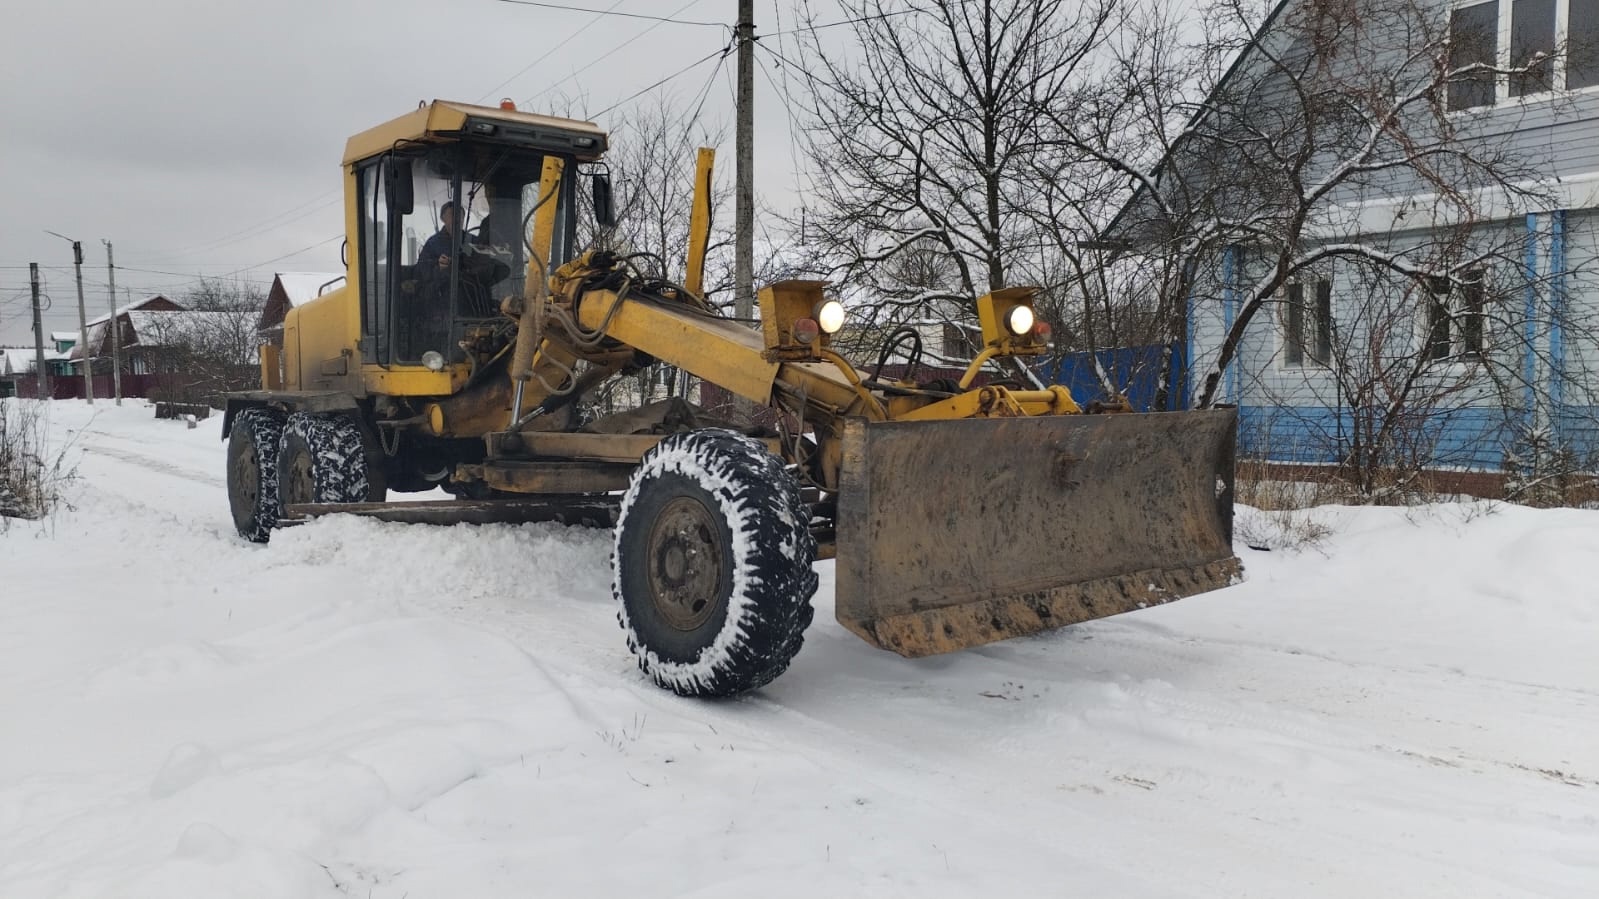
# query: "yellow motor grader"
(471, 327)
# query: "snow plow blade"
(953, 534)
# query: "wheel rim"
(247, 480)
(685, 564)
(301, 486)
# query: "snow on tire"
(713, 556)
(253, 472)
(322, 460)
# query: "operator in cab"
(479, 271)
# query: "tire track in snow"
(151, 464)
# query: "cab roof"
(443, 120)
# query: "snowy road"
(384, 710)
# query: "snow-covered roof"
(168, 328)
(121, 310)
(63, 335)
(300, 288)
(19, 360)
(15, 361)
(96, 339)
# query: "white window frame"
(1459, 352)
(1557, 77)
(1287, 339)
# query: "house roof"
(15, 360)
(63, 335)
(302, 287)
(124, 310)
(170, 328)
(19, 360)
(1275, 13)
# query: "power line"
(287, 255)
(871, 18)
(192, 276)
(279, 220)
(661, 20)
(705, 94)
(267, 225)
(550, 52)
(604, 56)
(722, 52)
(793, 120)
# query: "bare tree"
(1340, 103)
(924, 140)
(1328, 149)
(207, 350)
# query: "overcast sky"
(205, 138)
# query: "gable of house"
(100, 331)
(291, 290)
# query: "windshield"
(447, 263)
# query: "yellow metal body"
(992, 308)
(321, 343)
(699, 222)
(961, 517)
(444, 120)
(530, 326)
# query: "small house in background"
(290, 290)
(17, 365)
(171, 341)
(99, 349)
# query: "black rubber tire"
(253, 472)
(322, 460)
(736, 631)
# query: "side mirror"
(604, 212)
(397, 182)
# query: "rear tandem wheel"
(322, 460)
(253, 472)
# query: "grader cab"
(472, 328)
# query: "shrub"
(31, 481)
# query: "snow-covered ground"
(381, 710)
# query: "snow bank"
(380, 710)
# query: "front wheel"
(713, 564)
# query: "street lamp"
(83, 324)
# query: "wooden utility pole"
(744, 174)
(83, 315)
(744, 182)
(83, 324)
(38, 334)
(114, 325)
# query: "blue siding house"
(1465, 334)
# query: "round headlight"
(830, 316)
(1019, 320)
(434, 360)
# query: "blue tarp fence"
(1133, 370)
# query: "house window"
(1473, 40)
(1308, 341)
(955, 343)
(1582, 47)
(1455, 316)
(1532, 44)
(1517, 34)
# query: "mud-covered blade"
(957, 533)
